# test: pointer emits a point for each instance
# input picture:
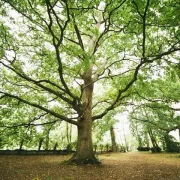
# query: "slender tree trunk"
(67, 132)
(55, 146)
(21, 144)
(40, 144)
(125, 140)
(147, 138)
(47, 137)
(139, 140)
(47, 142)
(70, 133)
(138, 136)
(113, 139)
(101, 148)
(84, 151)
(153, 140)
(95, 148)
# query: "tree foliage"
(156, 107)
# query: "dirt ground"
(115, 166)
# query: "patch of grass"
(178, 156)
(175, 156)
(48, 178)
(20, 170)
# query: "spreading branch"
(39, 107)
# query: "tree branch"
(78, 33)
(144, 30)
(40, 107)
(157, 125)
(23, 14)
(38, 83)
(134, 78)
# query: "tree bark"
(84, 151)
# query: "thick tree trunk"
(84, 151)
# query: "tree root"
(78, 161)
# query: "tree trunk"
(69, 133)
(55, 146)
(126, 144)
(84, 151)
(113, 139)
(138, 136)
(154, 143)
(47, 142)
(47, 137)
(21, 144)
(147, 138)
(40, 144)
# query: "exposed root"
(78, 161)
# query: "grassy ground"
(115, 166)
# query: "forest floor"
(115, 166)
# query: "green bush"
(156, 149)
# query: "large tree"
(77, 60)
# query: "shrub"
(143, 148)
(173, 147)
(171, 144)
(156, 149)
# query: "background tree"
(105, 128)
(56, 54)
(155, 106)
